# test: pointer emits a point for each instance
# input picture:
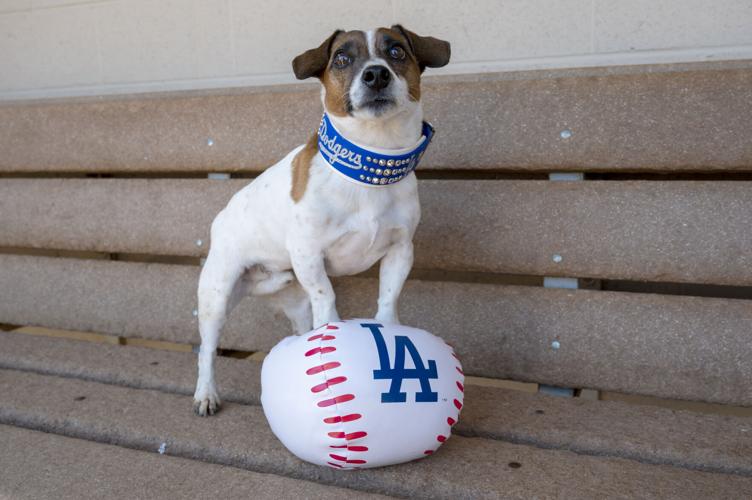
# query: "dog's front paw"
(206, 402)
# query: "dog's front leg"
(218, 279)
(395, 266)
(311, 273)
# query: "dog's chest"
(361, 234)
(362, 242)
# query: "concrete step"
(239, 436)
(643, 433)
(36, 465)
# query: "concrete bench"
(635, 277)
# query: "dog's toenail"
(154, 363)
(79, 398)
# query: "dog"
(334, 206)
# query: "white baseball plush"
(360, 393)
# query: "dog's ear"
(429, 51)
(313, 62)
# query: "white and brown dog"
(334, 206)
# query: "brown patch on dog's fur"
(313, 62)
(409, 67)
(301, 168)
(337, 81)
(429, 52)
(336, 97)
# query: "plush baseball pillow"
(360, 393)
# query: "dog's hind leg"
(258, 281)
(217, 294)
(270, 282)
(296, 305)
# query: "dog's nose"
(376, 77)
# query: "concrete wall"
(77, 47)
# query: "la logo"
(398, 373)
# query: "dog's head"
(374, 74)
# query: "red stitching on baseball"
(328, 383)
(320, 350)
(458, 404)
(344, 459)
(455, 356)
(428, 452)
(343, 398)
(349, 437)
(460, 386)
(460, 370)
(441, 438)
(337, 445)
(451, 421)
(321, 368)
(322, 337)
(344, 418)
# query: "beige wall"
(78, 47)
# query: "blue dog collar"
(368, 166)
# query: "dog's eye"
(341, 60)
(397, 52)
